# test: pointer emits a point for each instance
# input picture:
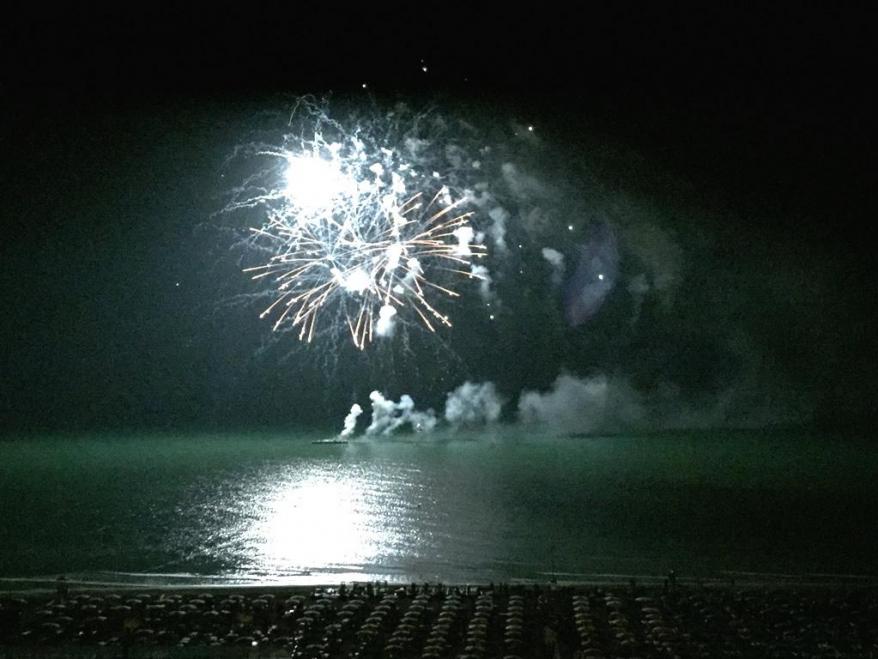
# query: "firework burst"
(358, 233)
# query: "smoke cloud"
(482, 273)
(473, 404)
(556, 260)
(588, 405)
(584, 405)
(387, 416)
(524, 187)
(350, 421)
(499, 216)
(386, 322)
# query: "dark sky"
(750, 135)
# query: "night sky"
(733, 153)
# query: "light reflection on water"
(462, 511)
(324, 516)
(281, 509)
(319, 516)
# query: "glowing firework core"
(356, 231)
(313, 183)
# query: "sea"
(507, 504)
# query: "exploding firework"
(358, 231)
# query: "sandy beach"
(675, 618)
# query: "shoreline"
(218, 584)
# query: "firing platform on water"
(435, 621)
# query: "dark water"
(502, 505)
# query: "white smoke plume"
(499, 216)
(556, 260)
(386, 321)
(485, 281)
(388, 416)
(464, 235)
(473, 403)
(350, 421)
(584, 405)
(524, 187)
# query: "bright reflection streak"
(320, 518)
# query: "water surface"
(499, 505)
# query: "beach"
(230, 545)
(432, 621)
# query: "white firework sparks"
(357, 231)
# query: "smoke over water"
(473, 404)
(350, 421)
(388, 417)
(588, 405)
(573, 405)
(568, 296)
